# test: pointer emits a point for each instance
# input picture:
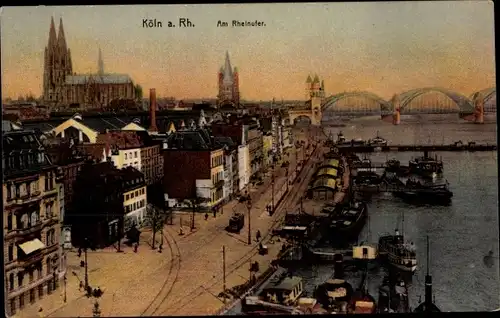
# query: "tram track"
(172, 276)
(305, 175)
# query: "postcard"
(227, 159)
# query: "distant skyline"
(385, 48)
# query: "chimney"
(152, 110)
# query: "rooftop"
(98, 78)
(192, 140)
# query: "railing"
(25, 231)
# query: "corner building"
(32, 192)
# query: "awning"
(31, 246)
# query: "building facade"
(134, 197)
(98, 214)
(229, 84)
(32, 190)
(193, 168)
(62, 87)
(244, 168)
(267, 150)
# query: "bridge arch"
(490, 98)
(302, 119)
(382, 104)
(463, 103)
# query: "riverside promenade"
(186, 278)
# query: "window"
(127, 196)
(135, 154)
(48, 210)
(20, 277)
(13, 306)
(31, 276)
(48, 264)
(125, 155)
(11, 281)
(21, 301)
(40, 291)
(22, 190)
(32, 296)
(132, 195)
(9, 221)
(34, 218)
(11, 252)
(137, 193)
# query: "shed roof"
(331, 162)
(325, 182)
(288, 283)
(327, 171)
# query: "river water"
(460, 234)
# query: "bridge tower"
(479, 109)
(396, 115)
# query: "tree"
(155, 219)
(138, 92)
(194, 203)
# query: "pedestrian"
(206, 216)
(215, 213)
(79, 252)
(257, 235)
(160, 248)
(136, 247)
(80, 286)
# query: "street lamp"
(272, 192)
(96, 310)
(249, 207)
(287, 181)
(65, 281)
(86, 263)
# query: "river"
(460, 234)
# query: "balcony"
(24, 231)
(31, 259)
(218, 184)
(27, 198)
(50, 191)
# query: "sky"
(385, 47)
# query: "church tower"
(57, 64)
(229, 87)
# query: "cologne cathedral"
(63, 88)
(229, 86)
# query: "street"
(186, 278)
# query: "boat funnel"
(338, 269)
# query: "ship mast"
(428, 282)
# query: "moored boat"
(400, 254)
(415, 191)
(335, 294)
(392, 165)
(426, 166)
(428, 305)
(349, 222)
(377, 141)
(393, 295)
(279, 296)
